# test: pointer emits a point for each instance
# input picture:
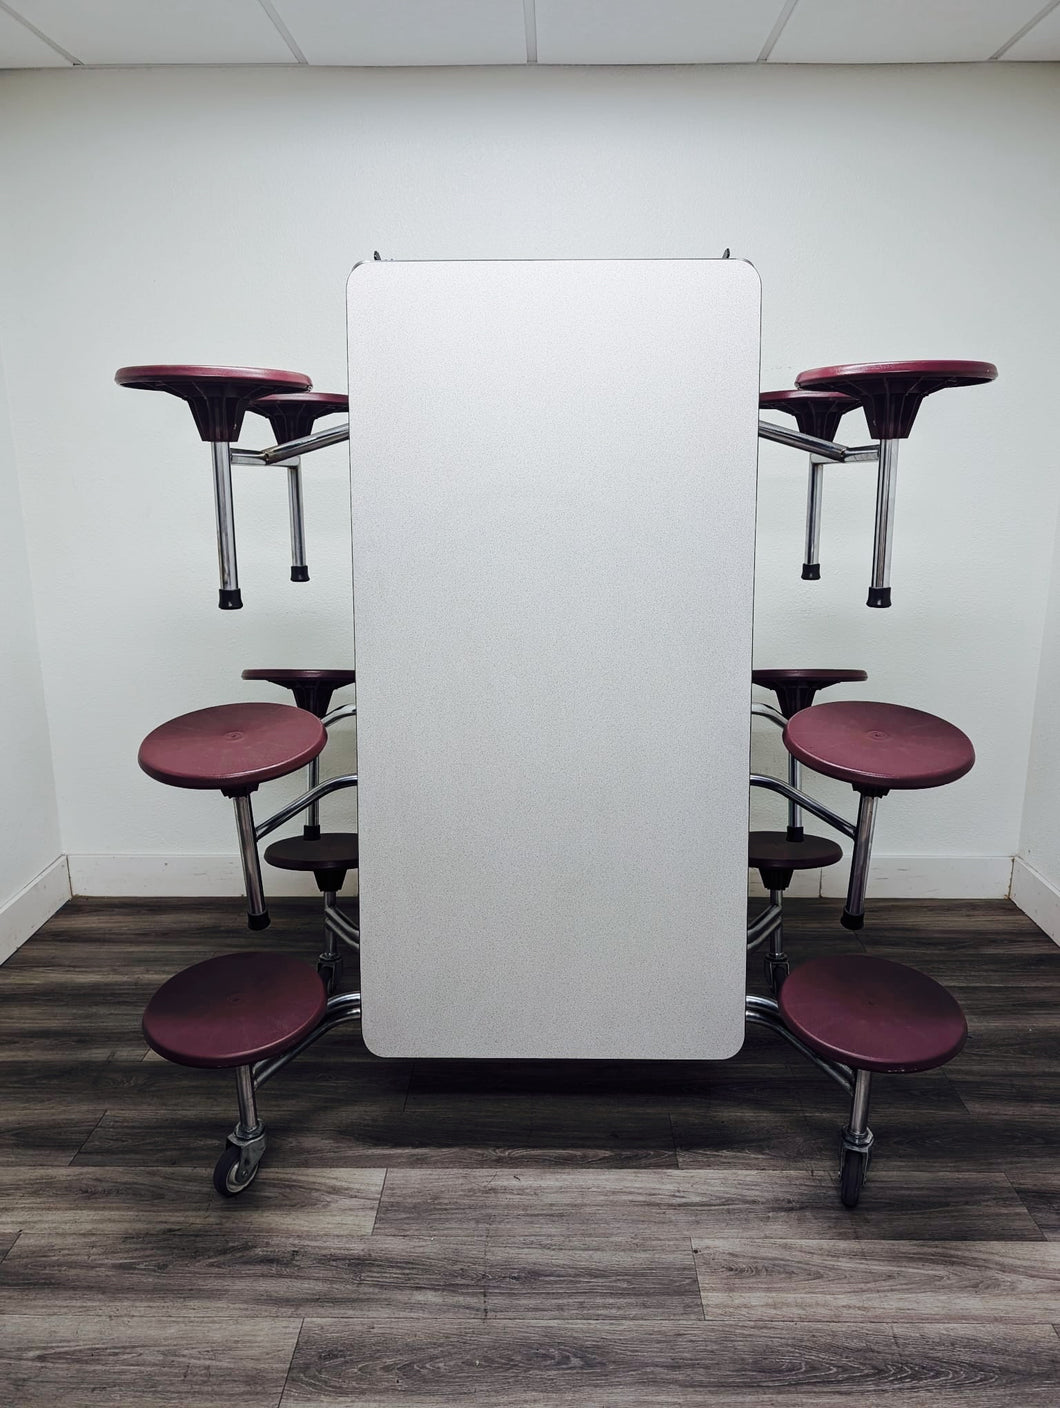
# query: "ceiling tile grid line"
(285, 33)
(404, 33)
(26, 24)
(776, 31)
(530, 16)
(1022, 33)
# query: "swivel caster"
(853, 1169)
(238, 1166)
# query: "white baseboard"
(185, 877)
(1037, 897)
(910, 877)
(892, 877)
(24, 913)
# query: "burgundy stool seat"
(795, 689)
(877, 747)
(891, 392)
(312, 689)
(218, 396)
(292, 415)
(232, 747)
(771, 850)
(328, 856)
(816, 412)
(234, 1010)
(873, 1014)
(334, 850)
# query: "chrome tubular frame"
(339, 925)
(794, 810)
(311, 826)
(257, 910)
(296, 512)
(808, 803)
(886, 481)
(766, 711)
(811, 559)
(853, 916)
(344, 711)
(765, 1012)
(826, 450)
(229, 598)
(331, 784)
(249, 1126)
(343, 1007)
(305, 444)
(764, 925)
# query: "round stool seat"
(891, 392)
(334, 850)
(771, 850)
(816, 412)
(312, 689)
(218, 396)
(292, 415)
(873, 1014)
(232, 747)
(795, 689)
(233, 1010)
(877, 747)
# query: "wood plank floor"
(516, 1234)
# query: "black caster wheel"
(226, 1180)
(852, 1171)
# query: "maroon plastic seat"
(776, 857)
(877, 747)
(218, 396)
(232, 747)
(890, 393)
(816, 412)
(293, 415)
(328, 856)
(872, 1014)
(312, 689)
(234, 1010)
(796, 689)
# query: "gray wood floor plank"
(583, 1208)
(529, 1364)
(236, 1270)
(917, 1282)
(84, 1199)
(140, 1362)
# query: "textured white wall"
(214, 215)
(30, 836)
(1036, 883)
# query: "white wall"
(1036, 873)
(211, 215)
(32, 880)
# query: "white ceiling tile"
(160, 31)
(413, 32)
(20, 47)
(653, 31)
(899, 31)
(1041, 42)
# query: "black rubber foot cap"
(230, 599)
(811, 571)
(852, 921)
(311, 833)
(258, 921)
(879, 596)
(299, 574)
(796, 833)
